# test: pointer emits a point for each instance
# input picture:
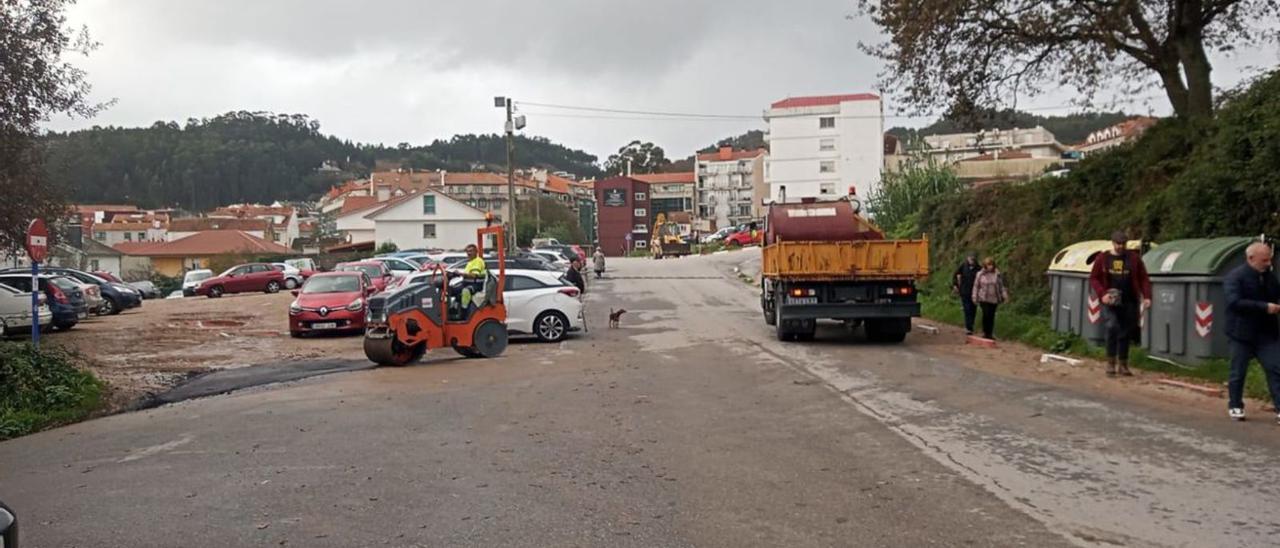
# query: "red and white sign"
(37, 241)
(1204, 319)
(1095, 309)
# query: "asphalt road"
(688, 426)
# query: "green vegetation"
(1069, 129)
(42, 388)
(558, 221)
(903, 192)
(386, 247)
(260, 157)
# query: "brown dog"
(615, 316)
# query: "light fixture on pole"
(510, 128)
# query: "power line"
(642, 112)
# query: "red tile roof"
(346, 187)
(383, 206)
(129, 226)
(729, 155)
(686, 177)
(356, 203)
(822, 100)
(128, 248)
(206, 243)
(199, 224)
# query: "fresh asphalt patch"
(230, 380)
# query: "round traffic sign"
(37, 241)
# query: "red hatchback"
(330, 302)
(377, 271)
(246, 278)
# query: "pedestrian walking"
(989, 291)
(1253, 327)
(597, 260)
(574, 275)
(962, 285)
(1119, 278)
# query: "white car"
(539, 303)
(447, 257)
(15, 311)
(191, 280)
(399, 267)
(553, 258)
(292, 276)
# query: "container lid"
(1078, 257)
(1200, 256)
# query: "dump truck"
(667, 240)
(824, 260)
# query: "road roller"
(401, 325)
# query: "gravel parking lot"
(150, 349)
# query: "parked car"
(568, 252)
(245, 278)
(107, 276)
(744, 238)
(306, 265)
(147, 289)
(63, 296)
(293, 277)
(448, 257)
(116, 297)
(552, 258)
(719, 235)
(15, 311)
(397, 266)
(539, 303)
(330, 302)
(191, 280)
(378, 273)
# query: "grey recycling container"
(1188, 308)
(1075, 309)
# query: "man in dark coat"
(574, 275)
(1119, 278)
(1253, 326)
(962, 284)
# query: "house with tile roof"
(188, 226)
(198, 250)
(426, 219)
(825, 145)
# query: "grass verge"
(1034, 330)
(42, 388)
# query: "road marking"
(157, 449)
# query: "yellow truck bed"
(860, 259)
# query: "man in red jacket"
(1120, 279)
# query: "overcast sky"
(391, 71)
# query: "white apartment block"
(822, 146)
(730, 188)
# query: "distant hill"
(260, 157)
(1069, 129)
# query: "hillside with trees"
(1069, 129)
(259, 157)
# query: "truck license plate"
(802, 300)
(324, 325)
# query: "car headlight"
(295, 308)
(356, 305)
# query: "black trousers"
(970, 311)
(1122, 323)
(988, 319)
(1267, 351)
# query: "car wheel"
(109, 307)
(295, 334)
(551, 326)
(215, 292)
(273, 286)
(63, 326)
(290, 283)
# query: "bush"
(386, 247)
(42, 388)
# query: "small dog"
(615, 316)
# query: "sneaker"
(1237, 414)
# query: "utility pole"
(537, 208)
(513, 123)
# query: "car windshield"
(372, 271)
(199, 276)
(64, 283)
(332, 284)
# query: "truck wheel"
(886, 331)
(779, 326)
(806, 330)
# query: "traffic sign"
(37, 241)
(628, 236)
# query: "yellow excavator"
(667, 240)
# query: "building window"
(429, 231)
(826, 122)
(827, 145)
(640, 228)
(93, 265)
(428, 205)
(827, 166)
(641, 212)
(100, 236)
(828, 188)
(142, 236)
(641, 244)
(128, 236)
(640, 197)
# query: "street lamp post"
(513, 123)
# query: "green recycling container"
(1187, 321)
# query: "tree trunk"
(1171, 78)
(1196, 67)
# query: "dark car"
(146, 288)
(519, 261)
(116, 297)
(64, 297)
(8, 527)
